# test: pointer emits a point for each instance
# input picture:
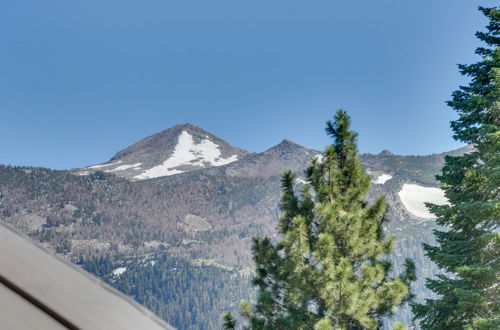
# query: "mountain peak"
(286, 155)
(286, 145)
(289, 142)
(175, 131)
(181, 148)
(386, 153)
(186, 126)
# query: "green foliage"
(399, 326)
(229, 321)
(185, 295)
(330, 269)
(468, 251)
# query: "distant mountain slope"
(207, 214)
(211, 213)
(418, 168)
(179, 149)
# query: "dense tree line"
(185, 295)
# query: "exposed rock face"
(286, 155)
(179, 149)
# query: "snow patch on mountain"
(383, 178)
(135, 166)
(414, 198)
(105, 165)
(187, 152)
(119, 271)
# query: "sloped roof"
(38, 290)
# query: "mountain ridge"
(205, 215)
(186, 147)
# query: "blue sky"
(80, 80)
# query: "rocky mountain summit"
(179, 149)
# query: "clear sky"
(80, 80)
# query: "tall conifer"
(330, 270)
(469, 249)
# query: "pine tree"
(330, 270)
(468, 250)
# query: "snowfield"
(105, 165)
(414, 196)
(186, 152)
(383, 178)
(135, 166)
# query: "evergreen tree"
(330, 269)
(468, 250)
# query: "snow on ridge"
(105, 165)
(414, 196)
(119, 271)
(187, 152)
(135, 166)
(383, 178)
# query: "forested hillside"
(200, 222)
(173, 288)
